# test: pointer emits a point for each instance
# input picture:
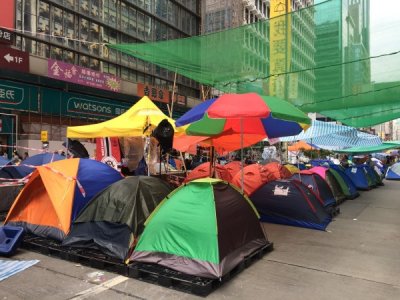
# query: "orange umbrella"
(301, 145)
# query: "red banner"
(108, 151)
(153, 92)
(7, 14)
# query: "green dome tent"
(115, 217)
(204, 228)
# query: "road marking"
(99, 288)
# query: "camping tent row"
(363, 177)
(65, 201)
(87, 204)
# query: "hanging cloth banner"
(108, 151)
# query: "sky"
(385, 38)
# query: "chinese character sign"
(75, 74)
(280, 40)
(6, 37)
(153, 92)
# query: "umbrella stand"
(183, 162)
(212, 158)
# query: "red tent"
(277, 171)
(255, 175)
(233, 167)
(203, 171)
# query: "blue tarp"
(12, 267)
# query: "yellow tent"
(143, 116)
(292, 169)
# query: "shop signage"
(44, 136)
(14, 59)
(180, 99)
(153, 92)
(18, 96)
(81, 106)
(87, 77)
(6, 36)
(88, 107)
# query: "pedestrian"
(25, 156)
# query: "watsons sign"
(80, 106)
(56, 102)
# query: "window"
(69, 57)
(84, 6)
(56, 53)
(84, 61)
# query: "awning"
(371, 149)
(139, 120)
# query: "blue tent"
(319, 186)
(358, 176)
(289, 202)
(42, 159)
(14, 172)
(94, 177)
(393, 173)
(4, 161)
(373, 175)
(352, 187)
(321, 162)
(22, 170)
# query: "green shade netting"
(335, 59)
(372, 149)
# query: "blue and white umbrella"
(332, 136)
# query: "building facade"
(297, 54)
(63, 39)
(343, 38)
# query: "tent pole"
(183, 161)
(148, 139)
(160, 161)
(66, 144)
(173, 97)
(241, 156)
(212, 172)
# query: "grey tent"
(112, 221)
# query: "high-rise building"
(298, 51)
(228, 14)
(343, 38)
(69, 75)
